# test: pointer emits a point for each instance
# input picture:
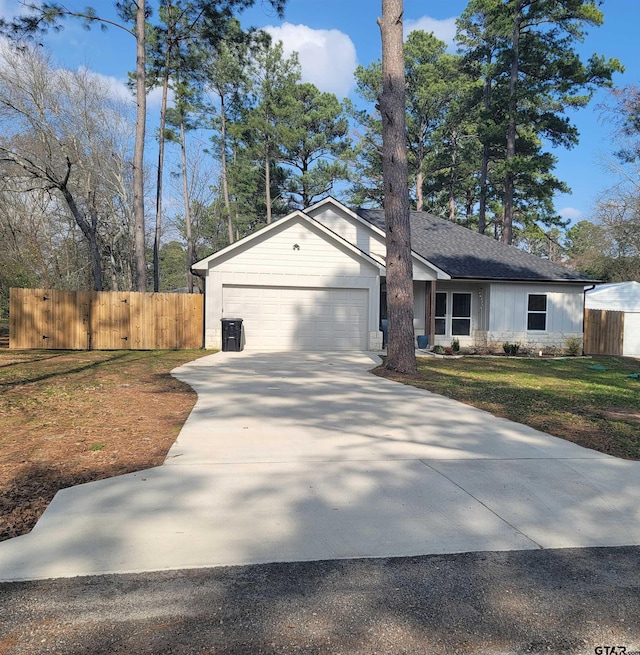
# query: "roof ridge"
(464, 253)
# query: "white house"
(620, 297)
(315, 280)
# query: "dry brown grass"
(72, 417)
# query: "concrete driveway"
(301, 456)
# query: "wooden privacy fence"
(104, 320)
(603, 332)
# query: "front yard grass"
(72, 417)
(595, 408)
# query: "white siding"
(484, 308)
(364, 237)
(298, 259)
(296, 249)
(272, 261)
(508, 313)
(616, 297)
(422, 272)
(631, 334)
(352, 230)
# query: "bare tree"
(138, 154)
(46, 14)
(39, 248)
(197, 182)
(401, 346)
(65, 135)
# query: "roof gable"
(239, 247)
(465, 254)
(451, 250)
(364, 234)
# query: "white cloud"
(118, 89)
(327, 57)
(444, 29)
(570, 213)
(154, 97)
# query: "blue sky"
(333, 36)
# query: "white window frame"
(461, 318)
(537, 312)
(448, 316)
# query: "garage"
(299, 318)
(296, 285)
(624, 298)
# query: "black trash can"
(231, 334)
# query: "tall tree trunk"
(401, 345)
(451, 203)
(420, 170)
(114, 275)
(90, 231)
(267, 182)
(420, 176)
(482, 200)
(138, 154)
(305, 196)
(452, 180)
(187, 205)
(223, 163)
(484, 166)
(468, 211)
(509, 181)
(419, 192)
(96, 256)
(163, 120)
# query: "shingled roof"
(465, 254)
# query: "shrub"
(511, 348)
(573, 346)
(455, 345)
(438, 350)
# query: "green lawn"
(568, 398)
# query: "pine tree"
(532, 75)
(401, 347)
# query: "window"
(441, 313)
(461, 314)
(454, 308)
(537, 312)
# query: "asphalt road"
(536, 601)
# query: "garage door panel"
(290, 318)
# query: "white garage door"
(292, 318)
